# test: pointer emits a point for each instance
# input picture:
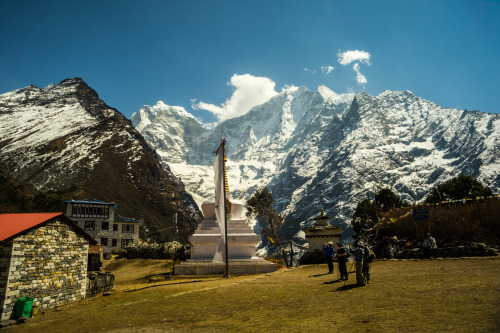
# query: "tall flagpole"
(223, 144)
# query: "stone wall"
(49, 264)
(99, 282)
(5, 257)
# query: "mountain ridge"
(64, 139)
(317, 149)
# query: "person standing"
(330, 252)
(367, 261)
(358, 258)
(342, 258)
(430, 246)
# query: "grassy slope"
(404, 296)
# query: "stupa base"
(236, 266)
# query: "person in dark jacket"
(330, 252)
(342, 258)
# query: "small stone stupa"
(321, 232)
(241, 242)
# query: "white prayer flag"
(220, 196)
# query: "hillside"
(20, 198)
(65, 140)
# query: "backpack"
(369, 255)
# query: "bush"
(169, 250)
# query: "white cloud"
(359, 77)
(248, 92)
(327, 69)
(309, 70)
(290, 88)
(348, 57)
(356, 57)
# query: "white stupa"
(241, 243)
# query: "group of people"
(389, 247)
(363, 256)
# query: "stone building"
(42, 256)
(99, 219)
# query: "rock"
(7, 323)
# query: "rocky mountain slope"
(64, 139)
(318, 149)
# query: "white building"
(322, 233)
(99, 219)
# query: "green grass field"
(452, 295)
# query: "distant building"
(100, 220)
(42, 256)
(322, 233)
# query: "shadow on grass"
(348, 287)
(161, 285)
(320, 275)
(333, 281)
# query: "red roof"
(15, 224)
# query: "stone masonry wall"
(5, 256)
(49, 264)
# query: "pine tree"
(260, 206)
(386, 199)
(365, 215)
(458, 188)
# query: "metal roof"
(12, 225)
(119, 218)
(91, 201)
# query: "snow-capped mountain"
(319, 149)
(64, 139)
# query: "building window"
(104, 241)
(127, 229)
(90, 210)
(105, 226)
(126, 242)
(114, 242)
(90, 225)
(115, 227)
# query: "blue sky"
(187, 53)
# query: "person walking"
(359, 254)
(330, 252)
(430, 246)
(342, 259)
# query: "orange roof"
(14, 224)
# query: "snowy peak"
(333, 98)
(168, 127)
(148, 114)
(325, 150)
